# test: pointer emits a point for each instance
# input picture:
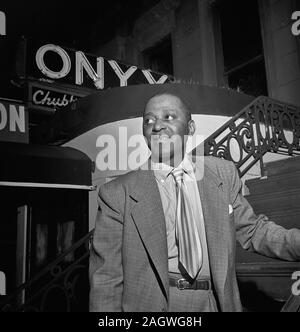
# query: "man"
(165, 238)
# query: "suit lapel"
(214, 207)
(148, 215)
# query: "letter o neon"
(39, 58)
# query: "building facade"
(247, 46)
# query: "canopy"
(129, 102)
(27, 165)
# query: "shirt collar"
(161, 171)
(187, 164)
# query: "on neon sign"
(12, 117)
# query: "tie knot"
(178, 174)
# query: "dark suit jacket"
(129, 258)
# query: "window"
(242, 46)
(159, 57)
(65, 239)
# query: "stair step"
(278, 195)
(279, 182)
(284, 166)
(281, 175)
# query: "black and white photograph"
(150, 158)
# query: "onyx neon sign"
(63, 65)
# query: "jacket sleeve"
(259, 234)
(106, 271)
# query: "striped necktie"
(187, 235)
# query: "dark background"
(79, 25)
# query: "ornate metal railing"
(292, 304)
(265, 125)
(60, 286)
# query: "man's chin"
(166, 159)
(165, 155)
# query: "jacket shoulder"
(216, 164)
(127, 179)
(113, 193)
(117, 188)
(221, 168)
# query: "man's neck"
(168, 163)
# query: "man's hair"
(184, 104)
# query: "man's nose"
(158, 125)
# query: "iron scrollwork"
(263, 126)
(60, 286)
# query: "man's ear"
(192, 127)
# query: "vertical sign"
(21, 252)
(2, 283)
(2, 24)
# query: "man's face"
(166, 126)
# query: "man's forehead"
(164, 102)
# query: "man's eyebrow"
(148, 114)
(164, 111)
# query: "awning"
(27, 165)
(129, 102)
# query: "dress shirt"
(167, 188)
